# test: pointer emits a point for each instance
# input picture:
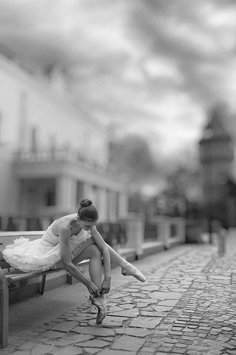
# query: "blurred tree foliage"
(181, 195)
(132, 157)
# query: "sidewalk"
(186, 306)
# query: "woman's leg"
(127, 269)
(92, 253)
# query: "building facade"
(51, 156)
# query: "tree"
(132, 156)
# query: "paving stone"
(69, 350)
(152, 314)
(140, 295)
(115, 308)
(150, 288)
(52, 334)
(9, 351)
(147, 351)
(179, 350)
(133, 331)
(128, 300)
(146, 301)
(64, 326)
(26, 346)
(95, 343)
(230, 346)
(72, 339)
(116, 352)
(171, 341)
(170, 303)
(161, 308)
(166, 295)
(112, 321)
(141, 305)
(127, 306)
(116, 295)
(95, 331)
(175, 332)
(145, 322)
(165, 348)
(232, 352)
(129, 343)
(131, 313)
(41, 349)
(89, 351)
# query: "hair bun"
(85, 203)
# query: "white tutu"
(31, 255)
(41, 254)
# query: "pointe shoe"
(131, 270)
(100, 303)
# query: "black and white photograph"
(117, 177)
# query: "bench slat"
(14, 277)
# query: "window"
(50, 198)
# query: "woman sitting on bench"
(70, 240)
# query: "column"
(88, 191)
(164, 230)
(135, 233)
(66, 194)
(111, 206)
(102, 208)
(123, 206)
(180, 229)
(79, 192)
(22, 141)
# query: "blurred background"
(130, 103)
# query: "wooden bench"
(10, 279)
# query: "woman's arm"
(106, 259)
(69, 266)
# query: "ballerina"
(67, 241)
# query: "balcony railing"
(64, 154)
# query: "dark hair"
(87, 211)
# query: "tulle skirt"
(31, 255)
(41, 254)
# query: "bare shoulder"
(67, 218)
(62, 226)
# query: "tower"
(216, 153)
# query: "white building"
(51, 156)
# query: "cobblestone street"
(186, 306)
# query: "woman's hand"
(93, 289)
(106, 284)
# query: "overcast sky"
(148, 66)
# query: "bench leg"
(69, 279)
(42, 286)
(4, 310)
